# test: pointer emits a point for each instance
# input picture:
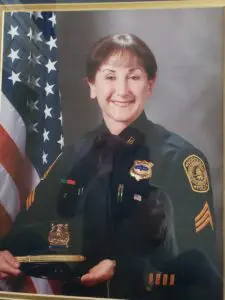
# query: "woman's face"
(121, 87)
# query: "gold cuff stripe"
(172, 279)
(165, 279)
(157, 280)
(160, 279)
(150, 279)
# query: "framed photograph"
(112, 150)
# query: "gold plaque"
(59, 235)
(141, 169)
(196, 173)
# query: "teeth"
(123, 104)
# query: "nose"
(121, 87)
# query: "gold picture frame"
(112, 6)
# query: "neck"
(115, 127)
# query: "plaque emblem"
(59, 236)
(141, 169)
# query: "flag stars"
(37, 15)
(13, 54)
(51, 65)
(47, 112)
(30, 34)
(53, 19)
(15, 77)
(60, 119)
(61, 141)
(32, 105)
(35, 59)
(44, 158)
(45, 135)
(52, 43)
(33, 127)
(34, 81)
(37, 36)
(38, 63)
(13, 31)
(48, 89)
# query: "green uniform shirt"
(148, 205)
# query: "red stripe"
(18, 167)
(56, 286)
(5, 221)
(29, 286)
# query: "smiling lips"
(122, 103)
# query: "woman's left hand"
(103, 271)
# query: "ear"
(151, 84)
(92, 89)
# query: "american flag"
(30, 111)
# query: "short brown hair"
(110, 44)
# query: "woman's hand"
(9, 266)
(101, 272)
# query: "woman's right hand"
(9, 266)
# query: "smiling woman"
(140, 206)
(121, 71)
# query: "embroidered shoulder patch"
(196, 173)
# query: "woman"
(135, 186)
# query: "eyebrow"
(135, 69)
(130, 70)
(110, 70)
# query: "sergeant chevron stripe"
(203, 219)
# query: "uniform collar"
(134, 133)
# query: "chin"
(123, 119)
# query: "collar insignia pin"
(131, 140)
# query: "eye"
(134, 77)
(110, 77)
